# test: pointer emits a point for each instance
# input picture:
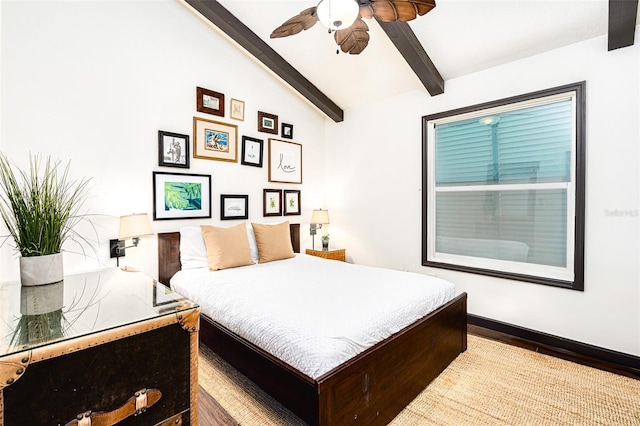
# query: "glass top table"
(82, 304)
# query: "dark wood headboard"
(169, 252)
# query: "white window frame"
(570, 276)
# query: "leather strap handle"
(135, 405)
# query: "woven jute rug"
(489, 384)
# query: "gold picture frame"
(214, 140)
(237, 109)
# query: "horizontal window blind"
(528, 145)
(501, 187)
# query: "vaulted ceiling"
(456, 38)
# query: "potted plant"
(325, 242)
(40, 207)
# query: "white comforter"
(312, 313)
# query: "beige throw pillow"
(226, 247)
(274, 241)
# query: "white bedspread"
(313, 313)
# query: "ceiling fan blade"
(424, 6)
(366, 11)
(400, 10)
(305, 20)
(354, 39)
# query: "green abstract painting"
(182, 196)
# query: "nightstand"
(337, 254)
(94, 353)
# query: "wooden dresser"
(337, 254)
(107, 346)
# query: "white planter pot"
(39, 270)
(38, 300)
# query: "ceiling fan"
(344, 17)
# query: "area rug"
(490, 384)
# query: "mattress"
(312, 313)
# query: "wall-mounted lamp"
(132, 227)
(318, 218)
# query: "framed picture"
(251, 151)
(291, 202)
(214, 140)
(287, 131)
(285, 161)
(173, 149)
(181, 196)
(267, 123)
(272, 202)
(237, 109)
(209, 101)
(163, 295)
(234, 207)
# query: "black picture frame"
(252, 151)
(233, 207)
(272, 202)
(173, 150)
(291, 202)
(286, 131)
(181, 196)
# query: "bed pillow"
(193, 252)
(253, 246)
(226, 247)
(274, 241)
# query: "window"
(505, 188)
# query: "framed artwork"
(209, 101)
(291, 202)
(272, 202)
(163, 295)
(285, 161)
(267, 123)
(214, 140)
(287, 131)
(252, 151)
(173, 149)
(181, 196)
(237, 109)
(234, 207)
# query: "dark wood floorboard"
(210, 413)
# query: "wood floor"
(212, 414)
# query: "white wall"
(93, 82)
(374, 173)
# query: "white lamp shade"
(320, 217)
(337, 14)
(134, 225)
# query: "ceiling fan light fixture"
(337, 14)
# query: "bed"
(370, 388)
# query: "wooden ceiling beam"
(241, 34)
(405, 40)
(622, 23)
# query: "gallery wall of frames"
(216, 136)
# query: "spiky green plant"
(41, 206)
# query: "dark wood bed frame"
(369, 389)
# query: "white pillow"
(193, 252)
(253, 245)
